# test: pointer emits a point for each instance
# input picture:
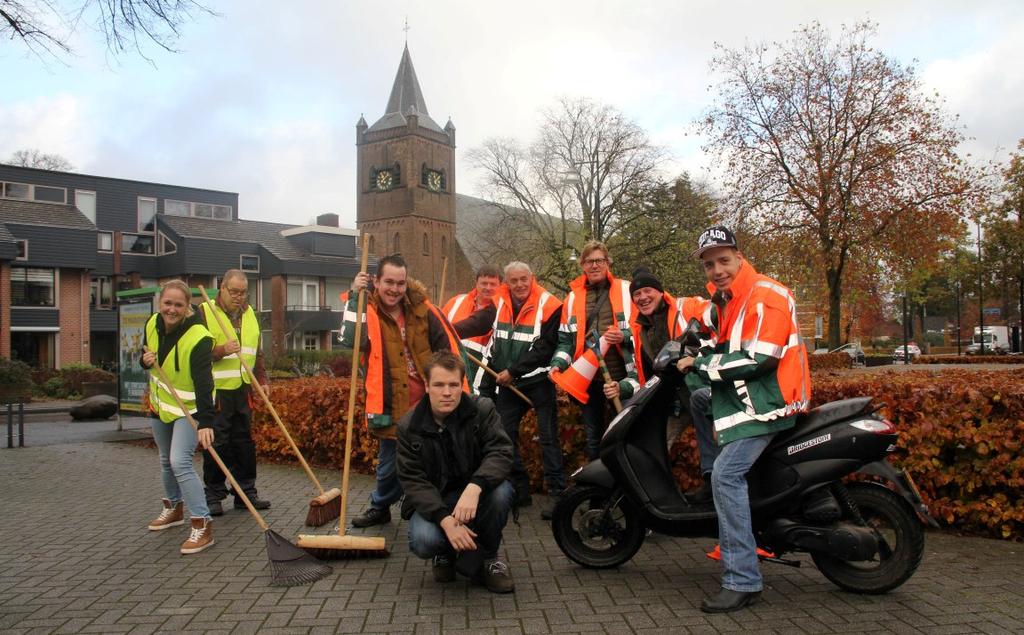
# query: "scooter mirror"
(668, 355)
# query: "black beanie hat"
(642, 277)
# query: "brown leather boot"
(171, 516)
(200, 538)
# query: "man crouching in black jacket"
(454, 460)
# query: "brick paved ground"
(75, 557)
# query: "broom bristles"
(344, 547)
(324, 508)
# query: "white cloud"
(51, 124)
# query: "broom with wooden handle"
(289, 565)
(343, 546)
(325, 507)
(491, 372)
(596, 347)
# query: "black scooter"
(863, 536)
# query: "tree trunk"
(835, 294)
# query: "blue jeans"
(177, 443)
(388, 490)
(704, 427)
(427, 539)
(511, 409)
(732, 503)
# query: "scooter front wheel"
(594, 530)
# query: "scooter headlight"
(876, 426)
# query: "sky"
(263, 98)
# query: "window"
(19, 191)
(444, 245)
(105, 241)
(396, 244)
(167, 246)
(249, 263)
(371, 246)
(147, 214)
(177, 208)
(32, 287)
(335, 287)
(200, 210)
(50, 194)
(101, 292)
(426, 244)
(22, 250)
(27, 192)
(137, 244)
(266, 293)
(303, 293)
(310, 341)
(86, 203)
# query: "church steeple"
(405, 94)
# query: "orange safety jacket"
(758, 367)
(680, 311)
(514, 337)
(575, 364)
(459, 308)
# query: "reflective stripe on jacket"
(227, 371)
(177, 366)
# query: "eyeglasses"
(237, 293)
(594, 262)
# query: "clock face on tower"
(434, 181)
(385, 180)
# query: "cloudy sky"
(263, 99)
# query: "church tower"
(406, 183)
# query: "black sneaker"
(444, 568)
(256, 501)
(496, 576)
(216, 509)
(702, 495)
(372, 516)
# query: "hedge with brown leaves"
(969, 359)
(960, 436)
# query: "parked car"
(855, 352)
(913, 350)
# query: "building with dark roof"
(69, 242)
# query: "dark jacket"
(480, 447)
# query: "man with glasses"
(597, 301)
(233, 425)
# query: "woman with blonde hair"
(177, 339)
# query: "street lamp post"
(981, 295)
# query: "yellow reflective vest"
(178, 368)
(227, 371)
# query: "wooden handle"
(360, 305)
(216, 457)
(230, 334)
(491, 372)
(604, 371)
(444, 274)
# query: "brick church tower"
(406, 182)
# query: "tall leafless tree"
(579, 180)
(42, 160)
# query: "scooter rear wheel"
(891, 517)
(593, 531)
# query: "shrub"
(73, 376)
(961, 435)
(15, 380)
(55, 387)
(970, 359)
(830, 361)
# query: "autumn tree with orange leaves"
(834, 145)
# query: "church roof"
(406, 97)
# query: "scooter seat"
(823, 416)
